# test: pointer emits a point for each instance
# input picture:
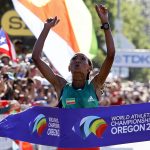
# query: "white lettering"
(128, 129)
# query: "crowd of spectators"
(23, 82)
(121, 92)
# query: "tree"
(134, 24)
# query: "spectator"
(5, 59)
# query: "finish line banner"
(80, 128)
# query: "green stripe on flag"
(94, 45)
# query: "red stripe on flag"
(8, 42)
(70, 102)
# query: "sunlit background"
(129, 79)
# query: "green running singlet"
(80, 98)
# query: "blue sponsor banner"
(132, 58)
(80, 128)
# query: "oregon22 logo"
(90, 124)
(38, 125)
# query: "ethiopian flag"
(74, 33)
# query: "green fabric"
(94, 45)
(5, 109)
(81, 98)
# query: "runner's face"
(79, 63)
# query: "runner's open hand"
(102, 12)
